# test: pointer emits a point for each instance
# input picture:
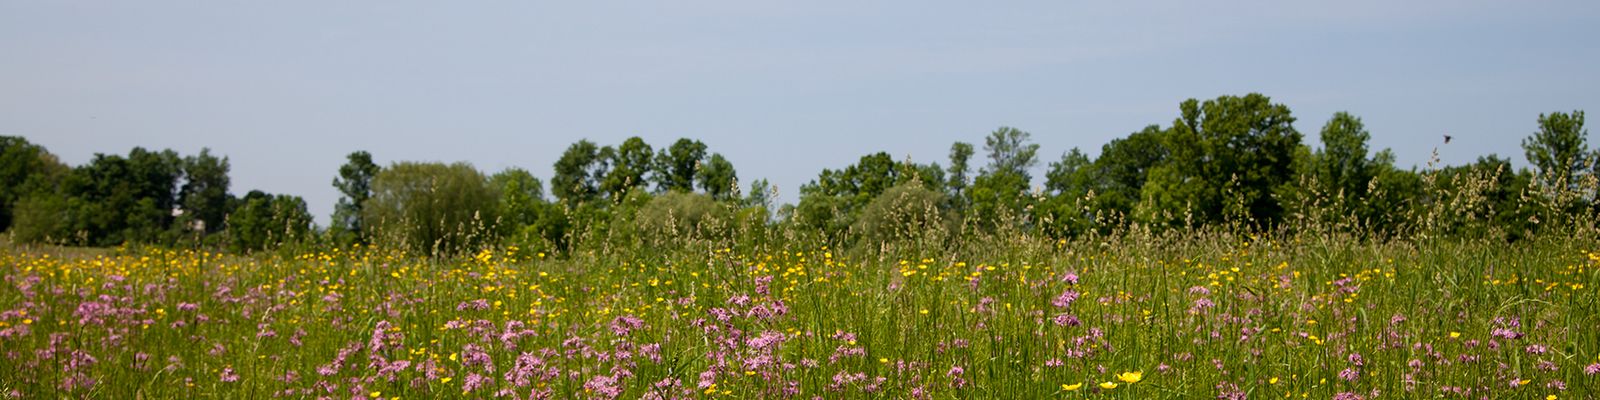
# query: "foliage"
(999, 196)
(674, 217)
(1232, 163)
(1227, 156)
(1118, 176)
(578, 173)
(1070, 188)
(520, 195)
(263, 221)
(432, 208)
(25, 168)
(355, 184)
(631, 161)
(906, 212)
(960, 154)
(677, 165)
(204, 195)
(718, 179)
(833, 201)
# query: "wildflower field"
(1181, 317)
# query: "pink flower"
(1349, 374)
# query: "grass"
(1176, 317)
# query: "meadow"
(1171, 316)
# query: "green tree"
(204, 195)
(1118, 175)
(1068, 185)
(677, 215)
(109, 201)
(1070, 176)
(43, 217)
(1001, 199)
(960, 154)
(432, 208)
(575, 181)
(1342, 163)
(761, 194)
(355, 185)
(25, 168)
(1010, 152)
(526, 218)
(1560, 149)
(718, 178)
(1479, 200)
(676, 165)
(629, 165)
(832, 202)
(263, 221)
(905, 212)
(1388, 206)
(1000, 193)
(1344, 188)
(1227, 157)
(521, 196)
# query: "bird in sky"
(1446, 139)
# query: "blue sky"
(783, 89)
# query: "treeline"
(1234, 162)
(155, 197)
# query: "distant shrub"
(432, 208)
(678, 215)
(904, 212)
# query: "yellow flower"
(374, 394)
(444, 380)
(1108, 385)
(1131, 377)
(1072, 387)
(1550, 397)
(1454, 335)
(1273, 381)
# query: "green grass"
(1198, 316)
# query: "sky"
(285, 89)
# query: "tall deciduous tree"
(718, 178)
(204, 195)
(1560, 149)
(676, 165)
(263, 221)
(25, 168)
(1000, 193)
(1067, 185)
(1123, 167)
(1070, 176)
(1010, 152)
(1228, 155)
(575, 181)
(521, 196)
(355, 185)
(960, 155)
(1342, 162)
(629, 166)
